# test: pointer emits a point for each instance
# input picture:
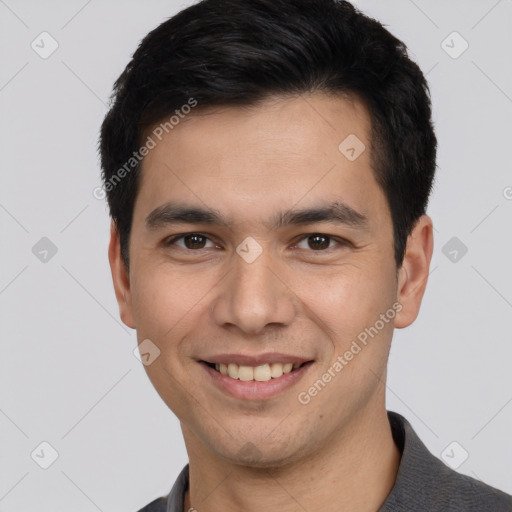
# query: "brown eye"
(194, 241)
(318, 242)
(315, 242)
(191, 241)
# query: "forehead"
(281, 151)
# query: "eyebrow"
(336, 212)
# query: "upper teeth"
(260, 373)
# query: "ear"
(414, 272)
(120, 277)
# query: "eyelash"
(341, 242)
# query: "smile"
(257, 381)
(261, 373)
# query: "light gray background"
(67, 372)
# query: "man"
(268, 165)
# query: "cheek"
(348, 306)
(167, 303)
(348, 298)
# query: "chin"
(263, 456)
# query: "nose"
(253, 296)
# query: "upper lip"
(255, 360)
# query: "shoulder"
(425, 483)
(454, 491)
(158, 505)
(174, 500)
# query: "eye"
(318, 242)
(190, 241)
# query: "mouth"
(257, 381)
(260, 373)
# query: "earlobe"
(413, 274)
(120, 278)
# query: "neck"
(355, 471)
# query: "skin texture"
(335, 452)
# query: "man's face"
(263, 289)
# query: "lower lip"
(256, 390)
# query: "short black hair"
(240, 52)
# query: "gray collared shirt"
(423, 483)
